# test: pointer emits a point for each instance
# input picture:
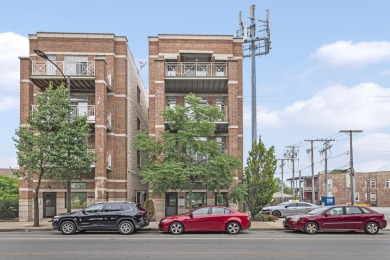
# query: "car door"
(333, 219)
(198, 220)
(303, 208)
(90, 218)
(290, 209)
(353, 218)
(218, 218)
(110, 215)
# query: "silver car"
(289, 208)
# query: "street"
(252, 244)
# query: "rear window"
(366, 211)
(352, 210)
(125, 207)
(139, 206)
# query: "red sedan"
(212, 218)
(343, 218)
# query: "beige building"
(210, 66)
(105, 86)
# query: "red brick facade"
(104, 78)
(371, 188)
(210, 66)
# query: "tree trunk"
(68, 197)
(190, 199)
(36, 208)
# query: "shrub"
(9, 207)
(149, 206)
(263, 217)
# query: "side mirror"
(286, 207)
(83, 211)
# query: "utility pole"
(351, 169)
(313, 195)
(325, 150)
(300, 187)
(282, 188)
(292, 155)
(256, 46)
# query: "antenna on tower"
(254, 46)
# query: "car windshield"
(317, 211)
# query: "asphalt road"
(259, 244)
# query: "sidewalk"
(44, 224)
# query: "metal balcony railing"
(70, 68)
(196, 69)
(83, 110)
(224, 109)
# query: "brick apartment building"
(105, 86)
(210, 66)
(371, 188)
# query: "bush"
(9, 207)
(263, 217)
(149, 206)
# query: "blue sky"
(328, 69)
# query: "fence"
(9, 207)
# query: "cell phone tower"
(254, 46)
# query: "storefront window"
(198, 199)
(78, 200)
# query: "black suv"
(125, 217)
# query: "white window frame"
(373, 196)
(357, 197)
(330, 183)
(330, 194)
(387, 184)
(372, 184)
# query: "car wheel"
(176, 228)
(276, 213)
(126, 227)
(371, 228)
(311, 228)
(68, 228)
(233, 228)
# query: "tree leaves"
(259, 177)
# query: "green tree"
(50, 145)
(9, 186)
(185, 155)
(259, 177)
(286, 189)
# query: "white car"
(289, 208)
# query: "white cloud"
(333, 108)
(347, 53)
(11, 47)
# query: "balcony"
(221, 124)
(83, 110)
(78, 110)
(196, 76)
(82, 73)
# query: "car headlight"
(295, 218)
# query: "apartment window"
(221, 199)
(373, 184)
(365, 196)
(78, 185)
(138, 95)
(356, 196)
(171, 102)
(76, 65)
(138, 158)
(198, 199)
(221, 141)
(138, 124)
(330, 194)
(78, 200)
(387, 184)
(329, 183)
(373, 196)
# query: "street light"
(67, 79)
